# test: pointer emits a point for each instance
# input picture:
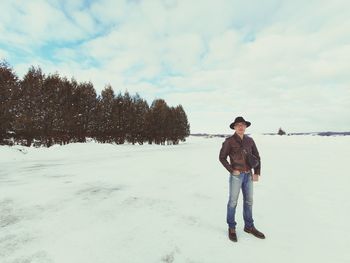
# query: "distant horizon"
(194, 133)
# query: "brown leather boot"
(232, 234)
(255, 232)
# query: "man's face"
(240, 127)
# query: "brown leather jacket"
(230, 147)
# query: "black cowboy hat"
(239, 119)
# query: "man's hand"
(255, 177)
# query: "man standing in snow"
(237, 147)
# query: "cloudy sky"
(276, 63)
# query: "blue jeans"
(244, 181)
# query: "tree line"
(42, 110)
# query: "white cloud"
(280, 64)
(34, 23)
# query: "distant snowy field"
(104, 203)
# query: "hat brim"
(233, 124)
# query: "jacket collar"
(238, 137)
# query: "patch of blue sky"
(15, 53)
(83, 5)
(134, 69)
(167, 70)
(249, 37)
(157, 79)
(52, 51)
(205, 50)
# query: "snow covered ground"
(153, 203)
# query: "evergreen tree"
(172, 121)
(281, 132)
(105, 115)
(119, 119)
(157, 125)
(65, 129)
(128, 116)
(141, 109)
(29, 123)
(84, 108)
(136, 119)
(8, 87)
(49, 109)
(182, 123)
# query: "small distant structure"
(281, 132)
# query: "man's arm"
(256, 153)
(224, 152)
